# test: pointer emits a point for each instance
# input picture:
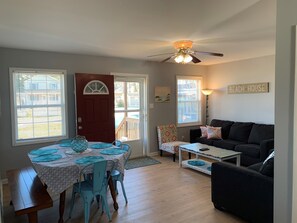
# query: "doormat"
(140, 162)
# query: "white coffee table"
(213, 153)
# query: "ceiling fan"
(184, 53)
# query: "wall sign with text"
(248, 88)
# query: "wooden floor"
(158, 193)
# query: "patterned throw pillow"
(214, 132)
(203, 131)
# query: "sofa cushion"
(246, 160)
(226, 144)
(240, 131)
(206, 141)
(226, 125)
(252, 150)
(256, 166)
(268, 165)
(261, 132)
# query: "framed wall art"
(162, 94)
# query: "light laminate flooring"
(162, 193)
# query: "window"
(38, 105)
(95, 87)
(127, 109)
(53, 86)
(188, 100)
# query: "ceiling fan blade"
(195, 59)
(210, 53)
(159, 54)
(168, 58)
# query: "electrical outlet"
(183, 137)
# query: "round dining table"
(58, 166)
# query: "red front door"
(95, 107)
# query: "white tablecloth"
(63, 173)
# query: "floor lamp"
(206, 92)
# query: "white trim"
(129, 75)
(188, 124)
(187, 77)
(153, 154)
(294, 174)
(37, 70)
(4, 181)
(190, 77)
(13, 110)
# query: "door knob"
(79, 127)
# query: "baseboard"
(153, 154)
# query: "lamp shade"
(183, 57)
(206, 91)
(179, 58)
(187, 58)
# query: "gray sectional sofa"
(253, 140)
(245, 192)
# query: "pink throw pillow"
(214, 132)
(203, 131)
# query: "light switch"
(151, 105)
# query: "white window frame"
(16, 142)
(199, 122)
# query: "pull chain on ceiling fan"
(184, 53)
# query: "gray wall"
(160, 74)
(284, 102)
(257, 108)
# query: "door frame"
(145, 106)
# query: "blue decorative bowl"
(196, 162)
(79, 144)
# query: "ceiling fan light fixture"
(179, 58)
(183, 48)
(184, 53)
(183, 44)
(187, 58)
(183, 58)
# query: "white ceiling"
(135, 29)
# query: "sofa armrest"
(242, 191)
(194, 134)
(265, 147)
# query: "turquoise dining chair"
(92, 188)
(117, 143)
(117, 175)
